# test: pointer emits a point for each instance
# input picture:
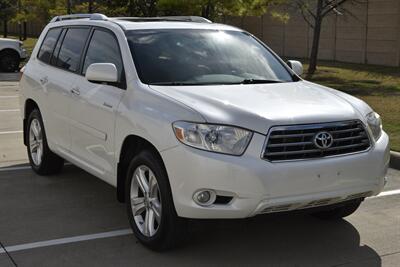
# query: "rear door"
(94, 109)
(63, 70)
(54, 104)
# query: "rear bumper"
(258, 186)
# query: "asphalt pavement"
(74, 219)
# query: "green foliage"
(42, 10)
(7, 9)
(214, 9)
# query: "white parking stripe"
(115, 233)
(9, 110)
(9, 96)
(66, 240)
(387, 193)
(10, 132)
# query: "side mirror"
(102, 72)
(296, 66)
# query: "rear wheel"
(42, 160)
(339, 212)
(9, 61)
(149, 203)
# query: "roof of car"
(139, 23)
(129, 25)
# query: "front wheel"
(339, 212)
(149, 203)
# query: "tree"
(215, 9)
(7, 11)
(69, 7)
(90, 6)
(314, 12)
(35, 10)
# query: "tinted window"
(103, 48)
(48, 44)
(72, 48)
(187, 56)
(53, 60)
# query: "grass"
(377, 85)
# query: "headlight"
(375, 124)
(215, 138)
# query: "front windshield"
(202, 57)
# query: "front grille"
(297, 142)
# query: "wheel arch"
(131, 146)
(29, 106)
(10, 50)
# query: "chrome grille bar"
(296, 142)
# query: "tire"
(339, 212)
(9, 61)
(42, 160)
(165, 232)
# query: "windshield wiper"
(173, 83)
(245, 81)
(255, 81)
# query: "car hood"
(260, 106)
(7, 40)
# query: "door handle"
(75, 91)
(44, 80)
(107, 105)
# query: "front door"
(94, 109)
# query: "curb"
(395, 160)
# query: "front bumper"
(258, 186)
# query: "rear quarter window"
(48, 44)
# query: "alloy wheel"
(145, 201)
(36, 142)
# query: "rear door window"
(72, 49)
(49, 42)
(53, 60)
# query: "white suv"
(12, 52)
(191, 119)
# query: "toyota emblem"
(323, 140)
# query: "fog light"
(204, 197)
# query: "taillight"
(21, 72)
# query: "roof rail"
(165, 18)
(94, 16)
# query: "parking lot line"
(66, 240)
(122, 232)
(9, 110)
(9, 96)
(10, 132)
(387, 193)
